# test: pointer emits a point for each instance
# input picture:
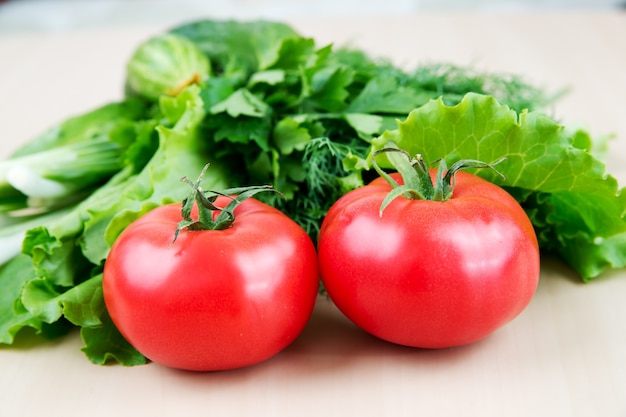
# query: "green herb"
(259, 99)
(67, 162)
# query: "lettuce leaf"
(13, 275)
(576, 207)
(60, 279)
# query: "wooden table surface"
(565, 355)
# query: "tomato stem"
(205, 201)
(417, 182)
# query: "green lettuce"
(576, 207)
(60, 273)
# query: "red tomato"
(429, 274)
(213, 299)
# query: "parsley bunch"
(298, 115)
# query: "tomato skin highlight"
(213, 299)
(429, 274)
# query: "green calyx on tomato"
(216, 299)
(429, 274)
(205, 202)
(418, 184)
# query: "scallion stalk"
(54, 177)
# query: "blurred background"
(59, 15)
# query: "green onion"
(57, 177)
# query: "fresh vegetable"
(576, 207)
(60, 271)
(61, 167)
(228, 285)
(165, 65)
(304, 118)
(429, 259)
(69, 161)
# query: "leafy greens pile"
(265, 105)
